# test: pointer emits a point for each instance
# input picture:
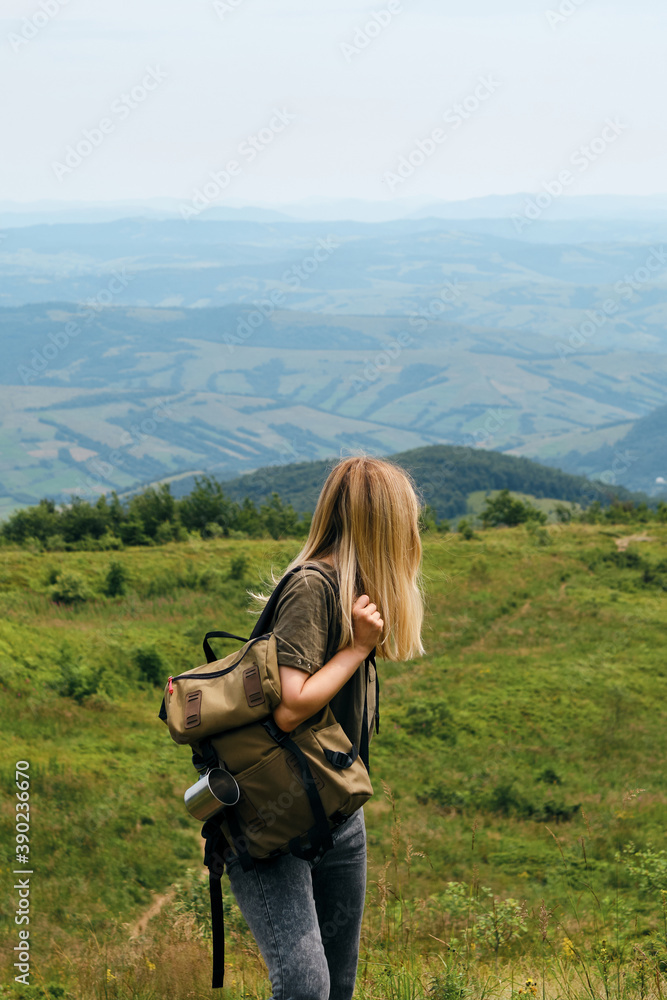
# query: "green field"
(515, 764)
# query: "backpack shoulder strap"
(263, 624)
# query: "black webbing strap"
(377, 695)
(363, 746)
(214, 861)
(208, 652)
(319, 834)
(367, 723)
(217, 930)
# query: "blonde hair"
(367, 520)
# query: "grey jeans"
(306, 916)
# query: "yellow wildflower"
(110, 975)
(150, 965)
(568, 947)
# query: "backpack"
(295, 788)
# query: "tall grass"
(516, 837)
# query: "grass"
(516, 763)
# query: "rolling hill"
(445, 475)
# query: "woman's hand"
(304, 694)
(367, 624)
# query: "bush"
(539, 535)
(648, 867)
(211, 581)
(444, 797)
(77, 680)
(213, 530)
(464, 529)
(70, 588)
(116, 580)
(151, 666)
(105, 543)
(509, 510)
(430, 718)
(563, 513)
(165, 532)
(238, 567)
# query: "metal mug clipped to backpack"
(214, 791)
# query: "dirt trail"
(622, 543)
(142, 923)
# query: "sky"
(284, 100)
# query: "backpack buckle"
(274, 731)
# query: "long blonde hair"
(367, 520)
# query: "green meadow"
(516, 837)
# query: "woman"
(306, 915)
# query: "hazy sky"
(182, 86)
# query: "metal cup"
(214, 790)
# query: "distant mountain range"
(632, 208)
(143, 349)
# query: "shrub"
(165, 532)
(116, 580)
(539, 535)
(105, 543)
(70, 588)
(648, 867)
(238, 566)
(464, 529)
(444, 797)
(213, 530)
(150, 665)
(211, 580)
(430, 718)
(77, 680)
(509, 510)
(563, 513)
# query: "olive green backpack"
(295, 788)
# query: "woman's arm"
(304, 694)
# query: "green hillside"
(643, 448)
(515, 764)
(444, 474)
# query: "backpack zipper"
(216, 673)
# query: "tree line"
(155, 517)
(152, 517)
